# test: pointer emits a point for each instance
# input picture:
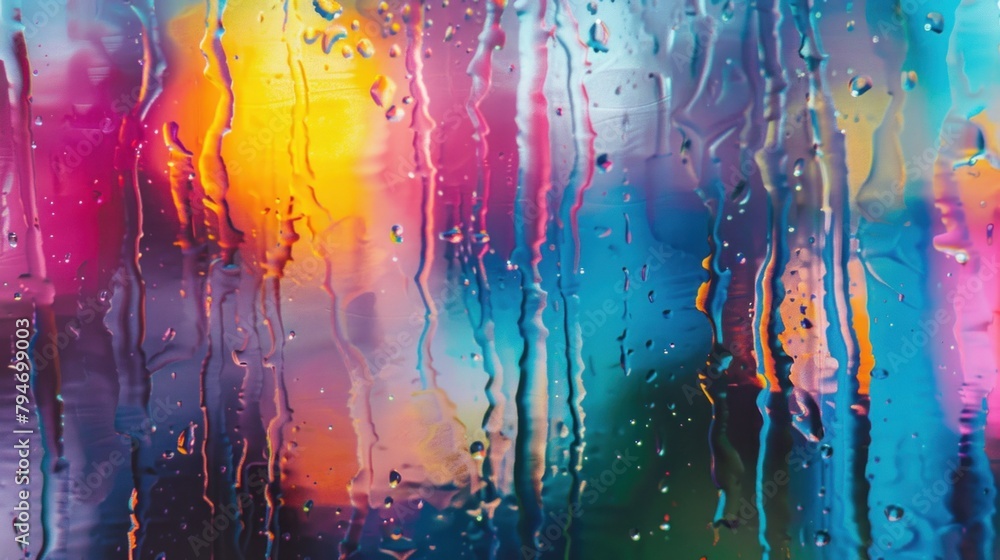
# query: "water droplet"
(634, 534)
(894, 513)
(799, 167)
(480, 237)
(329, 9)
(333, 34)
(663, 487)
(383, 90)
(989, 234)
(592, 8)
(291, 335)
(860, 84)
(388, 502)
(850, 25)
(169, 334)
(394, 479)
(961, 257)
(934, 22)
(307, 507)
(822, 538)
(478, 450)
(449, 33)
(396, 234)
(909, 80)
(604, 163)
(366, 48)
(395, 114)
(38, 121)
(600, 35)
(12, 239)
(826, 451)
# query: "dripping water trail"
(423, 126)
(216, 449)
(274, 361)
(531, 215)
(223, 275)
(726, 463)
(774, 364)
(46, 382)
(480, 70)
(211, 166)
(274, 265)
(132, 417)
(276, 258)
(851, 426)
(581, 178)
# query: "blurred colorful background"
(685, 279)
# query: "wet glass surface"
(488, 279)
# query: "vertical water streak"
(211, 166)
(423, 126)
(276, 258)
(132, 417)
(580, 179)
(46, 383)
(531, 215)
(254, 463)
(180, 174)
(491, 38)
(216, 449)
(704, 135)
(298, 143)
(223, 276)
(850, 529)
(773, 363)
(191, 241)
